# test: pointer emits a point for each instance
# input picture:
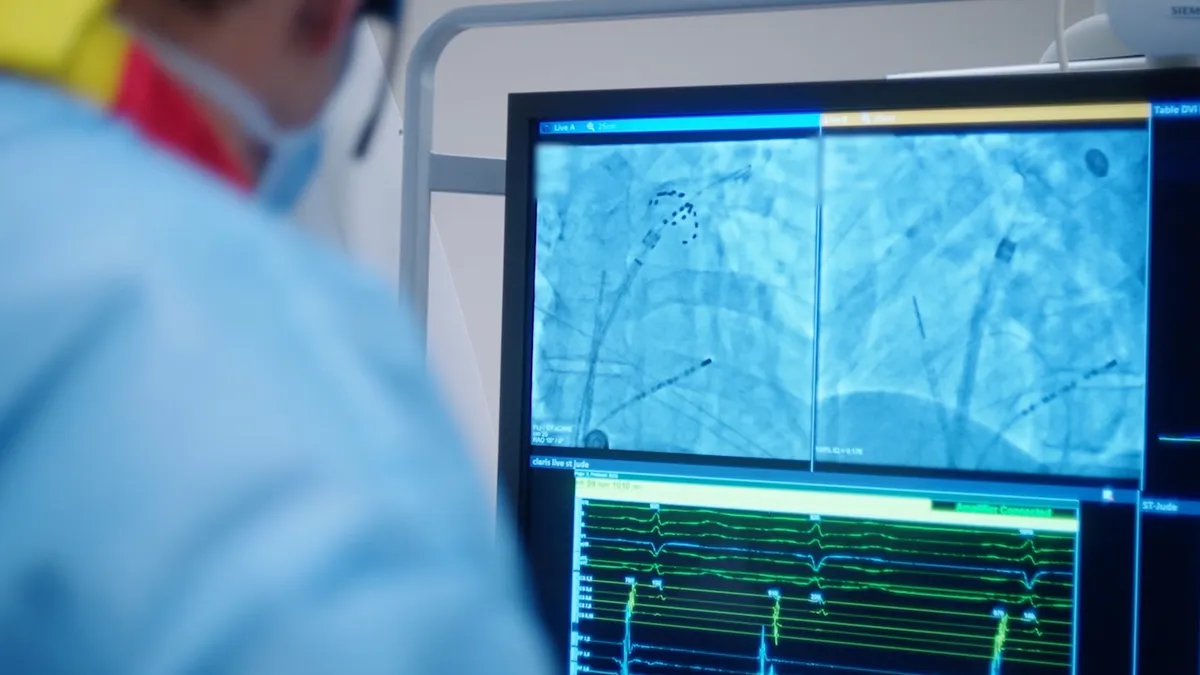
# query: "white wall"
(481, 68)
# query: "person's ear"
(321, 24)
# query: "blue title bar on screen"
(649, 125)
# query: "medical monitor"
(892, 378)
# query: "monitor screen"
(892, 382)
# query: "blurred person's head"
(288, 54)
(265, 69)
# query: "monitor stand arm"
(425, 173)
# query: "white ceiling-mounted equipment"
(1166, 31)
(1091, 40)
(1120, 35)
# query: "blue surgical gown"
(218, 450)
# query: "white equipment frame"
(426, 172)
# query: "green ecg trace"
(813, 529)
(800, 590)
(775, 619)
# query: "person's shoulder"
(71, 174)
(70, 169)
(88, 203)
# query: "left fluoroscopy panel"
(674, 296)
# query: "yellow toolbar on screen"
(999, 115)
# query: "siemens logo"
(1185, 12)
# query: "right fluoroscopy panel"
(983, 301)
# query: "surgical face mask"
(290, 169)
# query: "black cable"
(385, 88)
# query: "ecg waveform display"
(667, 590)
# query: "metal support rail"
(422, 176)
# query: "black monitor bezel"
(527, 110)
